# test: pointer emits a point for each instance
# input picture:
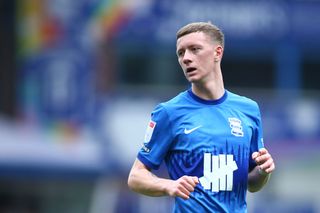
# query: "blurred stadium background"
(79, 79)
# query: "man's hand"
(182, 187)
(264, 160)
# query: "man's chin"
(193, 79)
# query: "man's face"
(196, 55)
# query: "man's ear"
(218, 52)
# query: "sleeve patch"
(149, 131)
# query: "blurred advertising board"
(250, 21)
(58, 101)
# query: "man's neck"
(211, 90)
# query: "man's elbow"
(130, 182)
(133, 182)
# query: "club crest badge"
(236, 127)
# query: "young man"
(210, 139)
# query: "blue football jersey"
(212, 140)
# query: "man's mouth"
(190, 69)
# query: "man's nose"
(187, 57)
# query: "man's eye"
(195, 49)
(180, 53)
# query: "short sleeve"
(158, 138)
(257, 138)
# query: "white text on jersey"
(218, 172)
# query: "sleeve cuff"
(147, 163)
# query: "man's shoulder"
(242, 101)
(178, 100)
(171, 107)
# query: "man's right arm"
(143, 181)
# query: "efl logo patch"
(236, 127)
(149, 131)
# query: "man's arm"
(143, 181)
(260, 175)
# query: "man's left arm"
(260, 175)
